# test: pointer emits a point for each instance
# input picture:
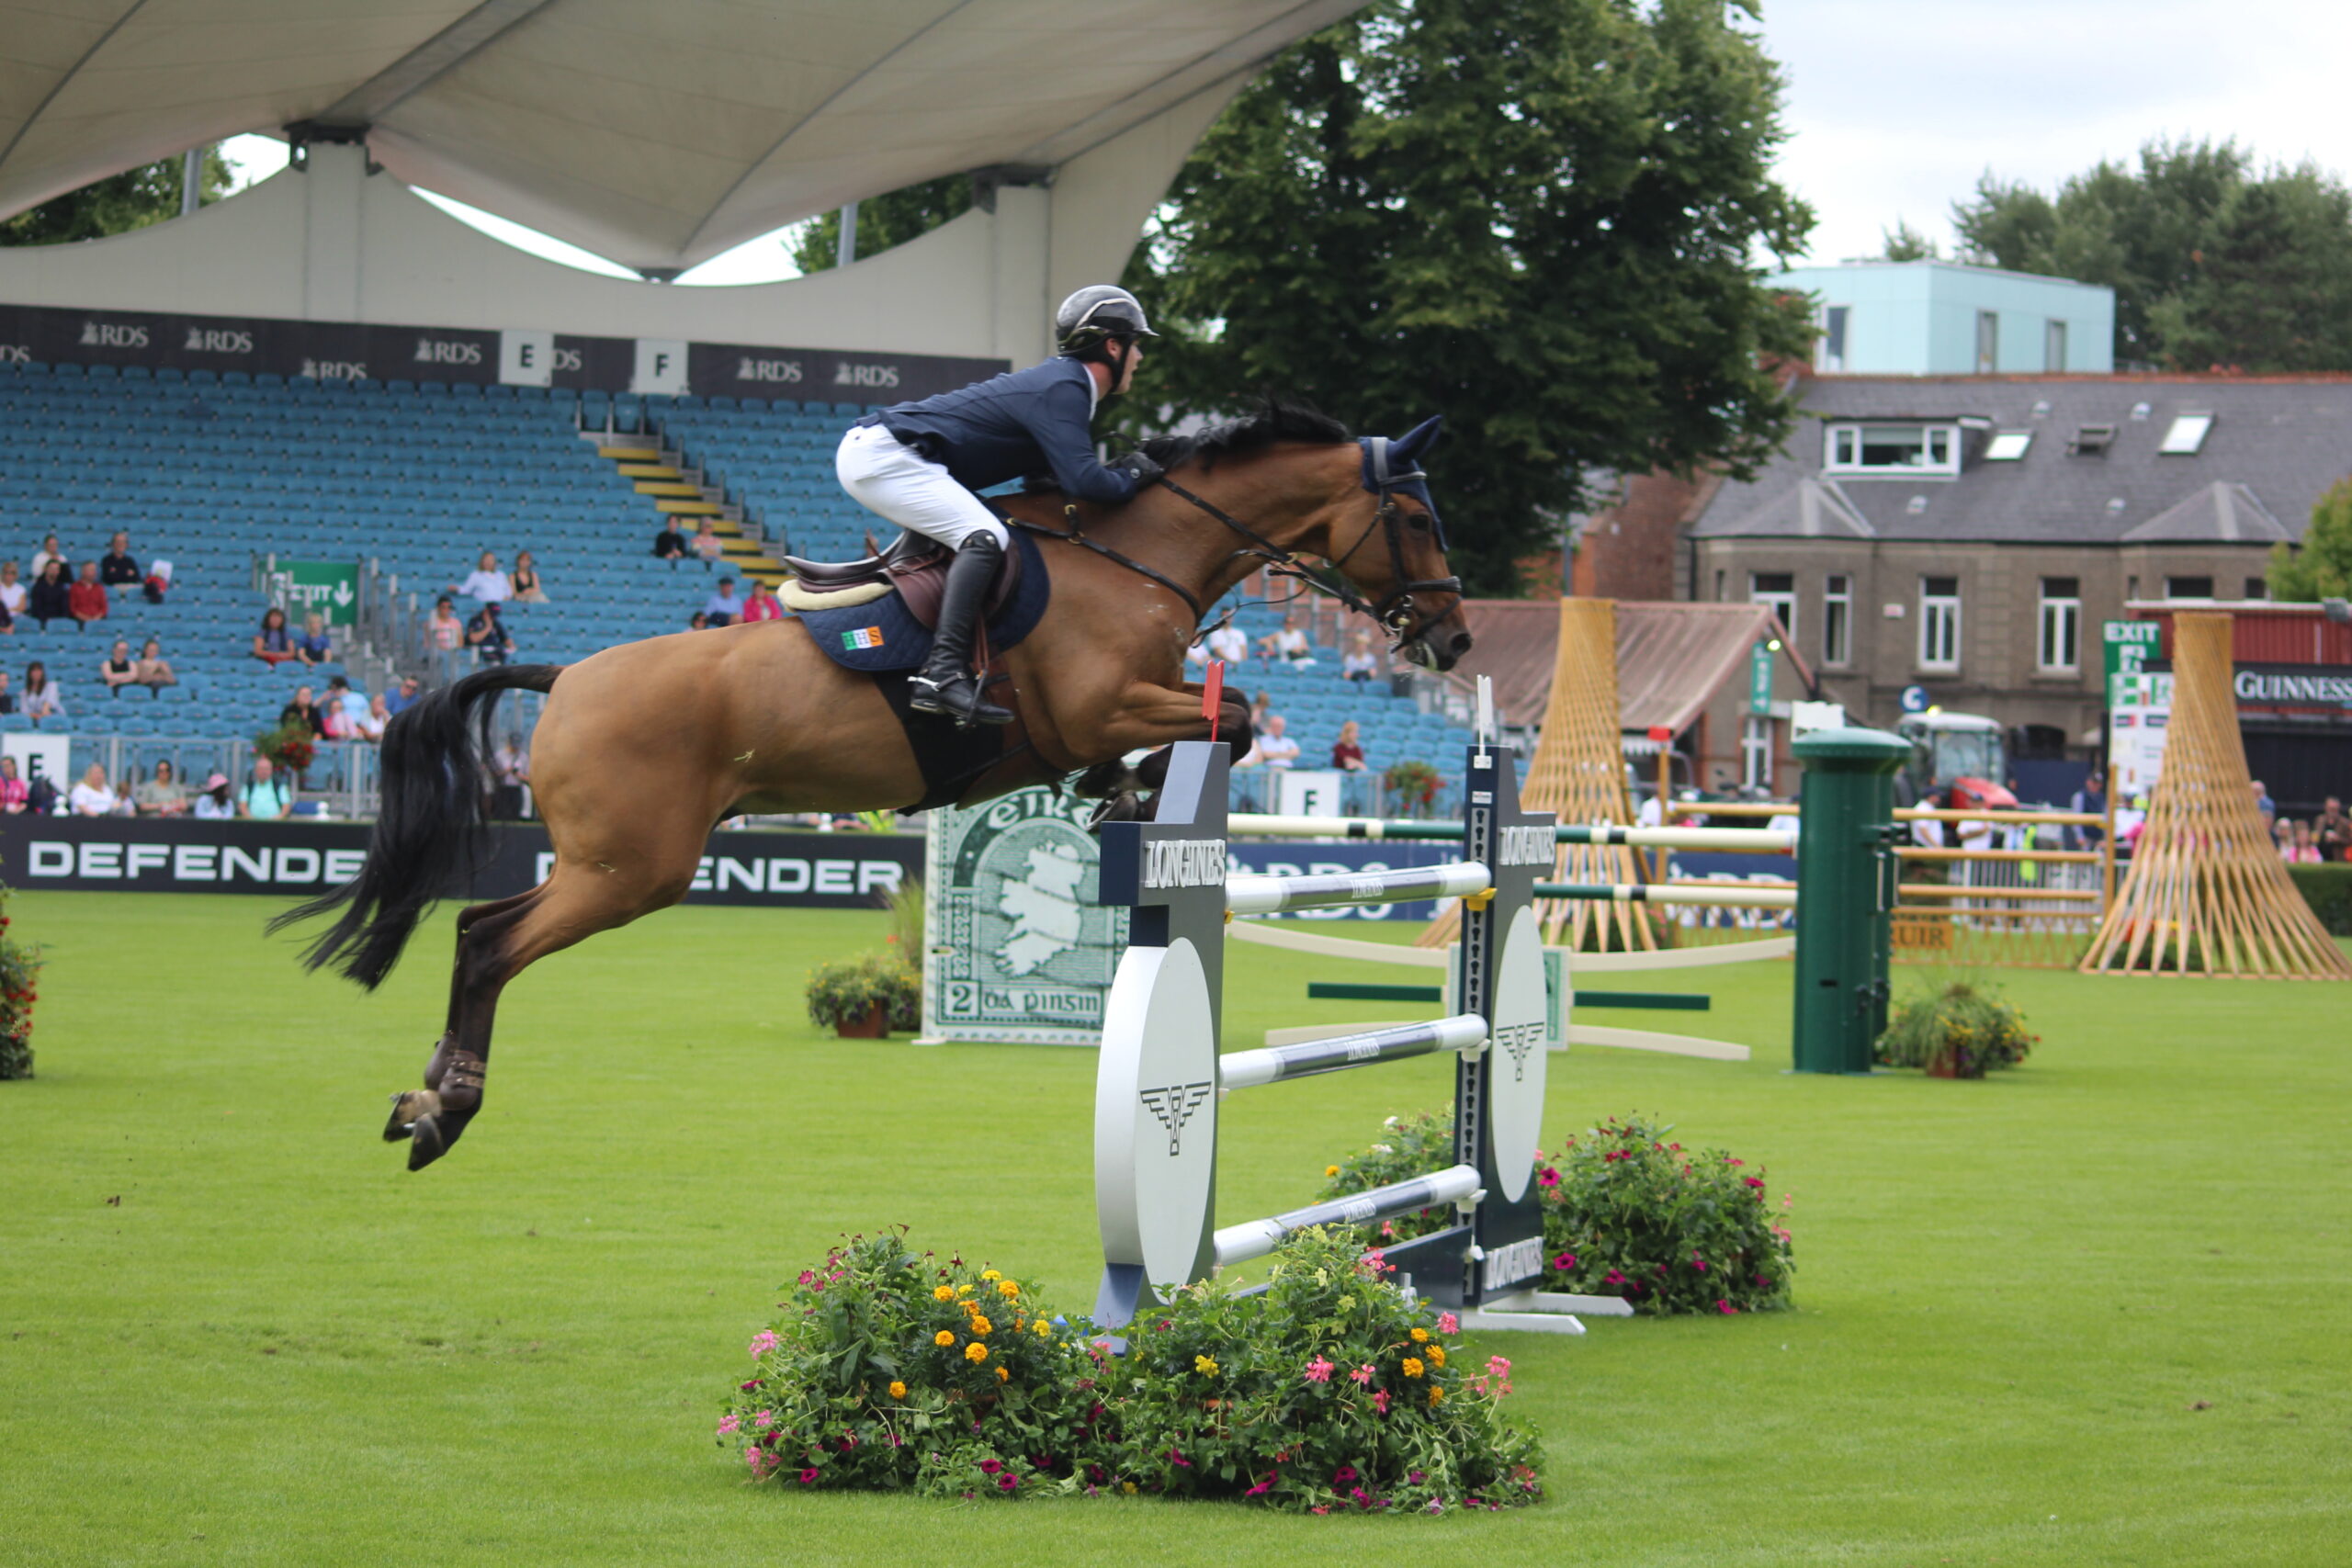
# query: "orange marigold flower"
(944, 1292)
(898, 1391)
(1436, 1394)
(1436, 1354)
(975, 1352)
(1413, 1366)
(943, 1338)
(1002, 1376)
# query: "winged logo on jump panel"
(1174, 1106)
(1517, 1040)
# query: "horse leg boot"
(433, 1117)
(945, 683)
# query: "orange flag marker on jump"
(1212, 695)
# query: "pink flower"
(989, 1467)
(1380, 1401)
(1007, 1483)
(1614, 1278)
(808, 1476)
(1344, 1474)
(1179, 1459)
(728, 1423)
(1263, 1486)
(1447, 1323)
(1547, 1176)
(1319, 1371)
(1735, 1162)
(762, 1343)
(1498, 1366)
(1565, 1261)
(808, 1276)
(1699, 1263)
(1726, 1309)
(1436, 1505)
(1362, 1375)
(763, 1419)
(1756, 1182)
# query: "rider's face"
(1128, 364)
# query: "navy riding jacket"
(1009, 426)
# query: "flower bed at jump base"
(1327, 1392)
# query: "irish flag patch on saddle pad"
(862, 636)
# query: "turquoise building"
(1938, 318)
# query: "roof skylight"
(2007, 445)
(2186, 435)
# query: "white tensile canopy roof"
(656, 134)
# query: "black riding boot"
(944, 684)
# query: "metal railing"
(340, 780)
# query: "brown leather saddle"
(913, 567)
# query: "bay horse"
(642, 749)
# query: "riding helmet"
(1095, 314)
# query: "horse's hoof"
(432, 1137)
(408, 1107)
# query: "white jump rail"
(1256, 895)
(1457, 1185)
(1248, 1070)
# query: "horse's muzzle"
(1440, 651)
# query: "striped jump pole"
(1729, 896)
(1160, 1074)
(1725, 841)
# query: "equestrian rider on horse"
(918, 464)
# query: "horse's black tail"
(431, 826)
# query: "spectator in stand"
(153, 668)
(40, 698)
(272, 644)
(1362, 663)
(526, 582)
(125, 793)
(53, 596)
(116, 569)
(443, 625)
(48, 552)
(213, 801)
(344, 708)
(1347, 752)
(93, 797)
(410, 689)
(670, 544)
(369, 725)
(7, 697)
(2282, 833)
(762, 604)
(159, 581)
(1228, 643)
(118, 669)
(709, 547)
(13, 791)
(1289, 644)
(313, 646)
(162, 796)
(510, 766)
(485, 582)
(723, 607)
(13, 594)
(267, 798)
(2263, 803)
(1274, 747)
(87, 597)
(303, 709)
(486, 635)
(697, 622)
(2332, 830)
(2091, 800)
(2304, 850)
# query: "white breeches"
(885, 475)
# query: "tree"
(2322, 568)
(1904, 243)
(2213, 260)
(890, 219)
(1534, 217)
(115, 205)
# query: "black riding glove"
(1136, 465)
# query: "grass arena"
(2089, 1311)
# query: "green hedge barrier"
(2328, 890)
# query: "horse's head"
(1403, 572)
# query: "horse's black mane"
(1277, 419)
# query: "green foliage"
(890, 219)
(1329, 1391)
(904, 904)
(2322, 569)
(1625, 1214)
(2214, 263)
(1959, 1029)
(1411, 785)
(1904, 243)
(20, 966)
(132, 199)
(1541, 219)
(2328, 890)
(847, 990)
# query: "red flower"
(1007, 1483)
(808, 1476)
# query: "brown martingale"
(641, 749)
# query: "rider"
(918, 464)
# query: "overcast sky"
(1896, 107)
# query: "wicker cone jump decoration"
(1579, 772)
(2207, 893)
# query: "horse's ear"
(1416, 441)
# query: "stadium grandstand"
(326, 367)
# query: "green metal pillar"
(1844, 930)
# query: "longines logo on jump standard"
(1511, 1262)
(1185, 862)
(1525, 846)
(1517, 1040)
(1173, 1106)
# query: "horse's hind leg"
(496, 942)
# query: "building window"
(2188, 588)
(1988, 342)
(1833, 336)
(1755, 753)
(1837, 618)
(1898, 449)
(2053, 346)
(1939, 623)
(1719, 585)
(1777, 590)
(2186, 435)
(2061, 624)
(2255, 588)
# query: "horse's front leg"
(1147, 715)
